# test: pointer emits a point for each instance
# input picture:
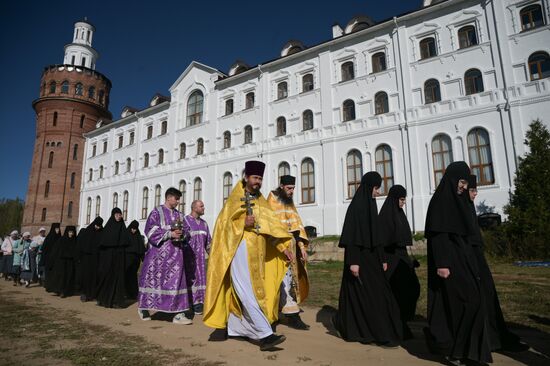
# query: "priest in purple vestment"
(162, 281)
(197, 237)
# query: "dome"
(238, 67)
(292, 47)
(358, 23)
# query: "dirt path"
(315, 347)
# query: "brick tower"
(73, 97)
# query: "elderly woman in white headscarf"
(18, 249)
(7, 254)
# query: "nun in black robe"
(499, 335)
(52, 262)
(134, 254)
(66, 263)
(114, 239)
(457, 318)
(88, 246)
(367, 310)
(49, 242)
(395, 235)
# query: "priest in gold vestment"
(248, 260)
(295, 286)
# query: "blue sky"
(144, 46)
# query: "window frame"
(434, 87)
(381, 103)
(307, 191)
(443, 153)
(386, 179)
(471, 83)
(282, 90)
(425, 49)
(481, 181)
(348, 111)
(465, 39)
(280, 126)
(528, 10)
(347, 71)
(379, 63)
(353, 182)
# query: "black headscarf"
(360, 224)
(449, 212)
(49, 243)
(475, 238)
(137, 244)
(114, 234)
(67, 246)
(88, 238)
(394, 226)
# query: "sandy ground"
(318, 346)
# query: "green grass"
(48, 335)
(524, 293)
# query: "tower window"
(53, 85)
(65, 87)
(43, 218)
(55, 119)
(82, 121)
(50, 160)
(47, 189)
(83, 61)
(73, 178)
(91, 92)
(79, 89)
(73, 60)
(75, 152)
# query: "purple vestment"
(162, 283)
(198, 239)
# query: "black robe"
(50, 257)
(66, 263)
(110, 288)
(367, 310)
(88, 247)
(134, 254)
(499, 335)
(395, 235)
(457, 320)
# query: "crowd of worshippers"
(255, 277)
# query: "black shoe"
(389, 345)
(407, 333)
(454, 361)
(218, 335)
(294, 321)
(63, 296)
(271, 341)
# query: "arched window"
(467, 36)
(348, 110)
(78, 89)
(104, 146)
(347, 71)
(473, 81)
(282, 90)
(53, 85)
(307, 120)
(65, 87)
(54, 119)
(90, 175)
(379, 62)
(50, 160)
(307, 83)
(120, 141)
(183, 190)
(479, 152)
(442, 155)
(384, 166)
(44, 212)
(91, 92)
(427, 48)
(144, 202)
(70, 209)
(195, 108)
(149, 132)
(539, 65)
(284, 169)
(146, 160)
(228, 107)
(88, 210)
(128, 165)
(183, 150)
(432, 92)
(73, 179)
(101, 172)
(197, 189)
(227, 185)
(132, 135)
(97, 206)
(354, 165)
(164, 127)
(101, 97)
(117, 166)
(47, 189)
(161, 157)
(381, 104)
(226, 140)
(115, 200)
(157, 195)
(248, 134)
(200, 146)
(249, 100)
(125, 205)
(82, 118)
(531, 17)
(281, 126)
(308, 181)
(94, 149)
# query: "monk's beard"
(283, 197)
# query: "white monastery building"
(453, 80)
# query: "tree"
(528, 228)
(11, 215)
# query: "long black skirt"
(88, 275)
(110, 288)
(67, 277)
(404, 282)
(131, 276)
(367, 310)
